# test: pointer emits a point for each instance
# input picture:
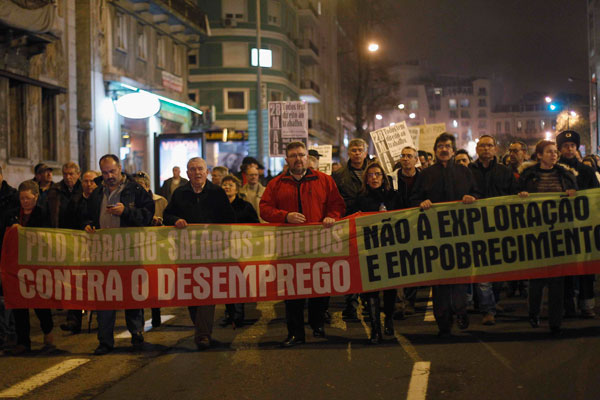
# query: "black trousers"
(448, 300)
(556, 287)
(294, 315)
(22, 325)
(389, 301)
(75, 316)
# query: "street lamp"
(401, 106)
(373, 47)
(379, 117)
(412, 115)
(548, 99)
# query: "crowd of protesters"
(302, 194)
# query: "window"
(498, 127)
(234, 9)
(452, 104)
(142, 43)
(193, 58)
(482, 103)
(453, 114)
(482, 125)
(235, 54)
(530, 126)
(412, 92)
(161, 51)
(49, 131)
(194, 95)
(121, 31)
(274, 12)
(16, 120)
(482, 114)
(519, 126)
(414, 105)
(178, 60)
(465, 114)
(465, 122)
(482, 91)
(276, 95)
(506, 126)
(236, 100)
(464, 103)
(276, 57)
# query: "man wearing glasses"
(302, 195)
(493, 180)
(518, 153)
(442, 182)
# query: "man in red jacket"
(302, 195)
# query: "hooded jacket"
(315, 195)
(530, 174)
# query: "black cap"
(314, 153)
(567, 136)
(41, 167)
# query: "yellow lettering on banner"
(166, 283)
(139, 284)
(24, 275)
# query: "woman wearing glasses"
(378, 195)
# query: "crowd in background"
(300, 194)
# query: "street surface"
(507, 361)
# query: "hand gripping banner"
(496, 239)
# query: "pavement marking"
(503, 360)
(42, 378)
(417, 388)
(349, 351)
(337, 321)
(147, 326)
(429, 317)
(408, 347)
(246, 341)
(359, 314)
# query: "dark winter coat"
(244, 212)
(165, 189)
(496, 180)
(210, 206)
(60, 205)
(349, 185)
(9, 197)
(372, 199)
(439, 184)
(586, 176)
(530, 174)
(403, 192)
(139, 206)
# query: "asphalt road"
(507, 361)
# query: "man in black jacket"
(445, 181)
(199, 201)
(118, 201)
(577, 287)
(493, 180)
(9, 199)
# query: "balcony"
(310, 91)
(307, 14)
(308, 52)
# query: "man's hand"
(425, 205)
(523, 194)
(571, 192)
(468, 199)
(181, 223)
(117, 209)
(328, 222)
(295, 218)
(90, 229)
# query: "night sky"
(529, 45)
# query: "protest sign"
(389, 142)
(497, 239)
(428, 134)
(325, 157)
(288, 122)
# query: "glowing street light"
(573, 114)
(548, 99)
(412, 115)
(373, 47)
(379, 117)
(401, 106)
(548, 135)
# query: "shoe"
(137, 341)
(488, 319)
(388, 327)
(327, 317)
(319, 332)
(102, 349)
(203, 343)
(534, 321)
(18, 350)
(292, 341)
(462, 320)
(349, 314)
(70, 327)
(588, 314)
(375, 337)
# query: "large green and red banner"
(496, 239)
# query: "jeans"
(487, 301)
(106, 324)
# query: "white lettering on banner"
(286, 243)
(114, 286)
(51, 247)
(139, 284)
(106, 248)
(166, 284)
(197, 245)
(182, 282)
(25, 275)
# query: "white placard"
(325, 157)
(288, 122)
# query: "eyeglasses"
(297, 155)
(409, 156)
(374, 174)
